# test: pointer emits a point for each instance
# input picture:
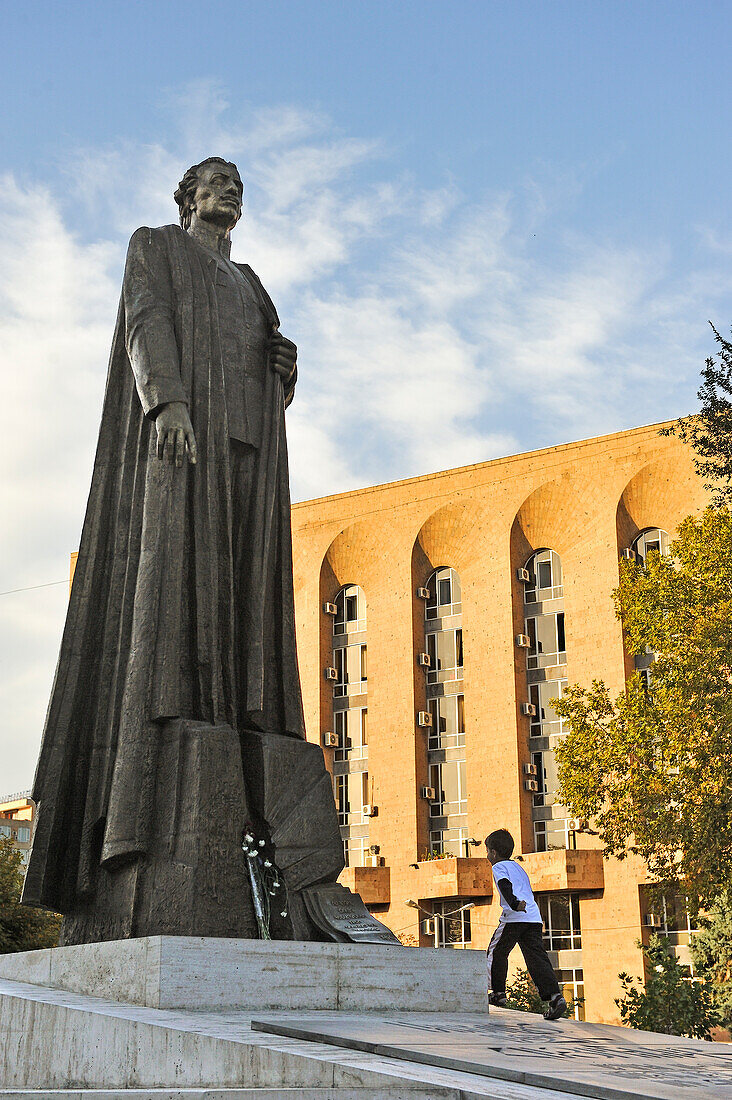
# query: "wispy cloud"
(434, 331)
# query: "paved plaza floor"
(581, 1059)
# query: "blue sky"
(509, 223)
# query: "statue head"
(224, 177)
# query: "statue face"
(218, 195)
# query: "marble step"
(53, 1040)
(390, 1093)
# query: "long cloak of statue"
(155, 626)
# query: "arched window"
(351, 614)
(545, 577)
(546, 679)
(350, 722)
(650, 540)
(445, 594)
(446, 705)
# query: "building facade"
(437, 618)
(17, 817)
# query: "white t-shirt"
(521, 886)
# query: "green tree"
(21, 928)
(710, 430)
(670, 1003)
(653, 767)
(711, 953)
(523, 996)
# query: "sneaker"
(498, 999)
(557, 1007)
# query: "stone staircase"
(61, 1044)
(391, 1093)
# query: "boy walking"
(520, 924)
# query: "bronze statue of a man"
(180, 629)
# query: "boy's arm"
(504, 885)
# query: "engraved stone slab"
(582, 1059)
(343, 916)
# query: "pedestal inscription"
(343, 916)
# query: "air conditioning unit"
(523, 641)
(652, 920)
(330, 608)
(428, 793)
(530, 769)
(330, 674)
(531, 785)
(573, 824)
(424, 718)
(424, 660)
(375, 861)
(428, 926)
(370, 811)
(423, 593)
(628, 554)
(523, 574)
(528, 709)
(330, 740)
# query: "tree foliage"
(670, 1003)
(523, 996)
(711, 953)
(21, 928)
(653, 767)
(710, 430)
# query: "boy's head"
(499, 844)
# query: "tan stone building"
(436, 619)
(17, 818)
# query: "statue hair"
(187, 188)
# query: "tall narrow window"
(561, 916)
(654, 540)
(350, 722)
(446, 704)
(546, 657)
(452, 923)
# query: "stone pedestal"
(216, 973)
(219, 1019)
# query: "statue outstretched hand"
(175, 434)
(282, 356)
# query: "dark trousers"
(528, 937)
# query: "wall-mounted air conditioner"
(528, 709)
(531, 785)
(628, 554)
(424, 660)
(523, 574)
(330, 673)
(428, 793)
(423, 593)
(330, 740)
(523, 641)
(424, 718)
(370, 810)
(330, 608)
(530, 769)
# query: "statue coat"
(155, 626)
